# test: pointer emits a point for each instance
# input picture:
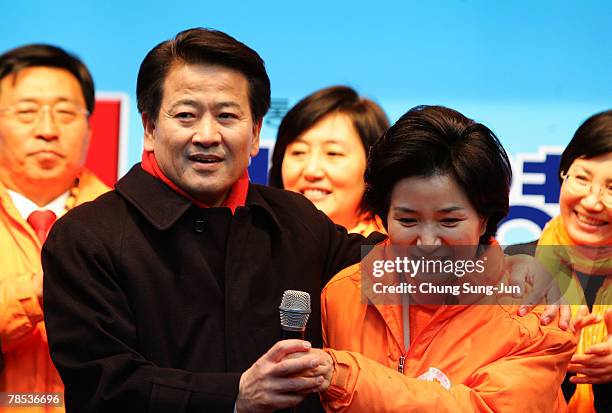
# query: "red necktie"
(41, 222)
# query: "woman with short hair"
(321, 150)
(440, 183)
(576, 246)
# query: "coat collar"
(257, 201)
(163, 207)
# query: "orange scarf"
(563, 262)
(235, 198)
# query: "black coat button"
(199, 225)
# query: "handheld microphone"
(294, 312)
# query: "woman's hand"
(595, 366)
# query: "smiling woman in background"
(321, 151)
(583, 230)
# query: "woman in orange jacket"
(440, 183)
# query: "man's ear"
(148, 125)
(86, 142)
(255, 140)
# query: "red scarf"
(235, 198)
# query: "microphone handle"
(289, 334)
(286, 335)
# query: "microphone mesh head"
(294, 310)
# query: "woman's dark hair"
(45, 55)
(369, 120)
(434, 140)
(201, 46)
(593, 138)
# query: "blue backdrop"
(532, 71)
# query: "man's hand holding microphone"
(291, 369)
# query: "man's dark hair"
(201, 46)
(368, 119)
(434, 140)
(44, 55)
(593, 138)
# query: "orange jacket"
(28, 367)
(467, 358)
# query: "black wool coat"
(135, 317)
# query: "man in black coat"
(163, 294)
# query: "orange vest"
(28, 367)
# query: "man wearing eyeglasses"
(46, 98)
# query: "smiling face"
(41, 158)
(204, 134)
(587, 220)
(326, 164)
(431, 212)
